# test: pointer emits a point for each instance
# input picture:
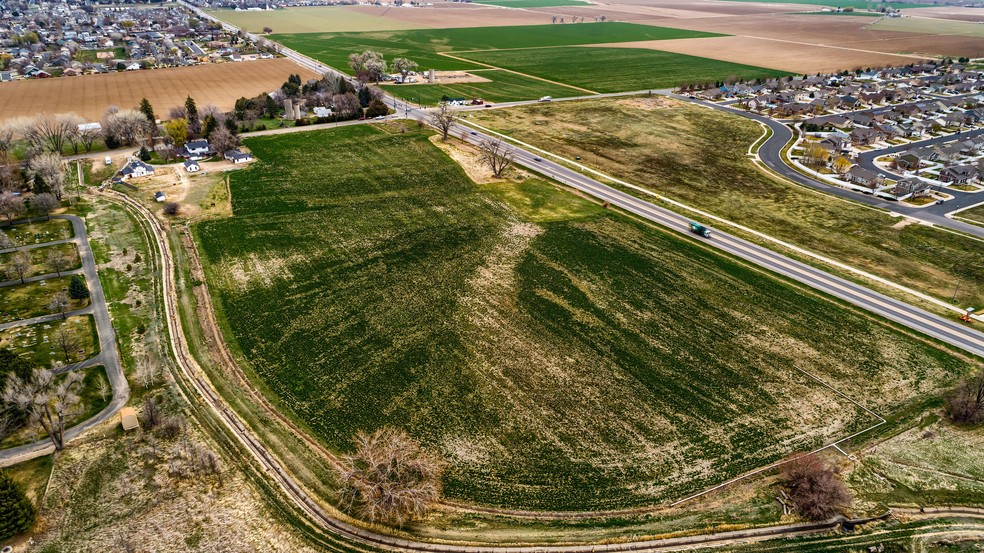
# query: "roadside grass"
(698, 156)
(32, 476)
(37, 342)
(618, 69)
(503, 86)
(975, 215)
(556, 354)
(92, 401)
(25, 301)
(39, 261)
(39, 231)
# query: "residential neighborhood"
(54, 39)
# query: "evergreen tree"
(77, 289)
(144, 154)
(148, 110)
(272, 108)
(365, 96)
(209, 125)
(17, 513)
(194, 123)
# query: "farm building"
(192, 166)
(128, 418)
(136, 169)
(238, 156)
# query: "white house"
(192, 166)
(197, 148)
(136, 169)
(238, 156)
(322, 112)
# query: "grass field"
(976, 215)
(930, 26)
(504, 86)
(39, 261)
(38, 341)
(558, 355)
(24, 301)
(698, 156)
(618, 69)
(318, 19)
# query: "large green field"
(618, 69)
(549, 52)
(558, 355)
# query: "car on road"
(546, 99)
(537, 158)
(472, 132)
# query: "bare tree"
(151, 412)
(20, 262)
(88, 135)
(965, 404)
(127, 125)
(496, 154)
(51, 171)
(11, 206)
(368, 66)
(8, 135)
(223, 140)
(390, 478)
(443, 118)
(814, 487)
(46, 400)
(50, 132)
(45, 203)
(404, 66)
(74, 133)
(58, 261)
(8, 420)
(102, 386)
(59, 304)
(66, 342)
(346, 104)
(6, 242)
(146, 371)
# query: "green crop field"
(618, 69)
(556, 354)
(503, 86)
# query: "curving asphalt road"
(108, 355)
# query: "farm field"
(682, 151)
(371, 282)
(785, 56)
(618, 69)
(89, 95)
(39, 261)
(531, 3)
(856, 4)
(311, 20)
(42, 345)
(930, 26)
(503, 86)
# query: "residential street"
(108, 355)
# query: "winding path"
(108, 355)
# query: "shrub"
(172, 208)
(965, 404)
(814, 487)
(17, 513)
(77, 288)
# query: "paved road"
(108, 354)
(770, 154)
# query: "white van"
(546, 99)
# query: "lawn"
(25, 301)
(39, 261)
(698, 156)
(42, 345)
(618, 69)
(556, 354)
(39, 232)
(975, 215)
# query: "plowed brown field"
(217, 84)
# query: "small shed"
(160, 196)
(128, 417)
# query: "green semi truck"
(700, 229)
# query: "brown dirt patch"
(949, 12)
(649, 103)
(453, 77)
(218, 84)
(786, 56)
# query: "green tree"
(272, 108)
(17, 513)
(376, 108)
(209, 125)
(77, 288)
(148, 111)
(177, 130)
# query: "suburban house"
(238, 156)
(958, 174)
(197, 148)
(865, 137)
(910, 188)
(907, 162)
(865, 177)
(136, 169)
(192, 166)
